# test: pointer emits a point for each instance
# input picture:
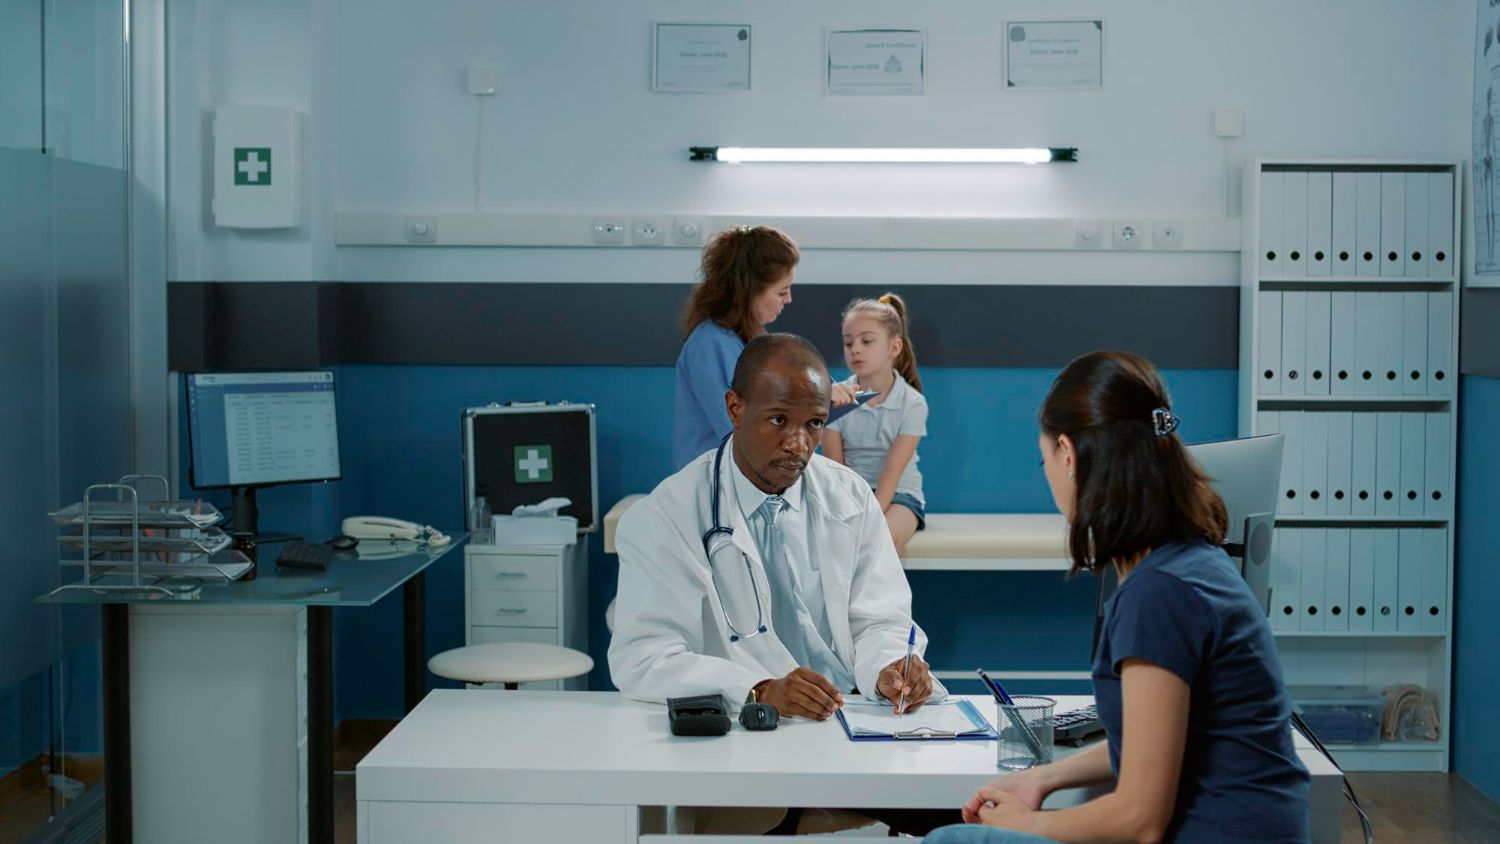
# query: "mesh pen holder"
(1025, 728)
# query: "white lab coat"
(670, 639)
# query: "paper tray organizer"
(129, 543)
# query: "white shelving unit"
(1300, 217)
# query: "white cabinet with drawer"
(530, 593)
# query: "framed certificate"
(863, 62)
(1053, 55)
(711, 58)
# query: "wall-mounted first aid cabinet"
(257, 167)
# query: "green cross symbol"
(533, 464)
(252, 165)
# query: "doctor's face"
(780, 423)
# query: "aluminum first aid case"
(524, 452)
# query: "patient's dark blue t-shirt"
(1185, 608)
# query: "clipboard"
(983, 730)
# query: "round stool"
(511, 663)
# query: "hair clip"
(745, 229)
(886, 299)
(1164, 422)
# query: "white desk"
(580, 766)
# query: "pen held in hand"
(911, 642)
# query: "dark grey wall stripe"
(265, 325)
(1479, 336)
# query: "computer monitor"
(248, 430)
(1246, 473)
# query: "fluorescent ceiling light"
(846, 155)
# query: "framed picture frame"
(701, 58)
(874, 61)
(1053, 55)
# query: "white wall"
(575, 127)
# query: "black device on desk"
(1077, 726)
(700, 715)
(305, 555)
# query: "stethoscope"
(714, 541)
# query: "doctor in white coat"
(805, 600)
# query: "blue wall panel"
(402, 452)
(1476, 684)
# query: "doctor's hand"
(918, 685)
(804, 693)
(842, 395)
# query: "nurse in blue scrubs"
(747, 280)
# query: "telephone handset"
(382, 527)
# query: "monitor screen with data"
(260, 428)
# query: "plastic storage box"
(1340, 714)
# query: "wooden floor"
(1403, 808)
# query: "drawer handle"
(510, 574)
(504, 611)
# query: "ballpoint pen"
(911, 642)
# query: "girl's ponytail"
(906, 362)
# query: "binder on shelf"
(1367, 225)
(1367, 343)
(1340, 463)
(1293, 342)
(1267, 422)
(1414, 343)
(1285, 579)
(1392, 224)
(1314, 575)
(1320, 223)
(1386, 576)
(1295, 231)
(1409, 580)
(1434, 579)
(1342, 375)
(1417, 256)
(1345, 197)
(1413, 462)
(1392, 320)
(1272, 216)
(1440, 226)
(1319, 320)
(1438, 499)
(1336, 581)
(1291, 463)
(1387, 464)
(1440, 373)
(1268, 342)
(1363, 456)
(1314, 463)
(1361, 580)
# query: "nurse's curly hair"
(739, 263)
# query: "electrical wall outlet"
(421, 230)
(609, 231)
(1089, 234)
(1129, 234)
(1166, 234)
(687, 231)
(648, 231)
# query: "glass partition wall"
(65, 376)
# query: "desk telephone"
(381, 527)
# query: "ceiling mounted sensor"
(857, 155)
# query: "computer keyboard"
(305, 555)
(1075, 726)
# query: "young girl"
(879, 439)
(1186, 677)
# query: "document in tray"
(865, 720)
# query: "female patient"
(1186, 676)
(879, 439)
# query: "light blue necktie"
(783, 580)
